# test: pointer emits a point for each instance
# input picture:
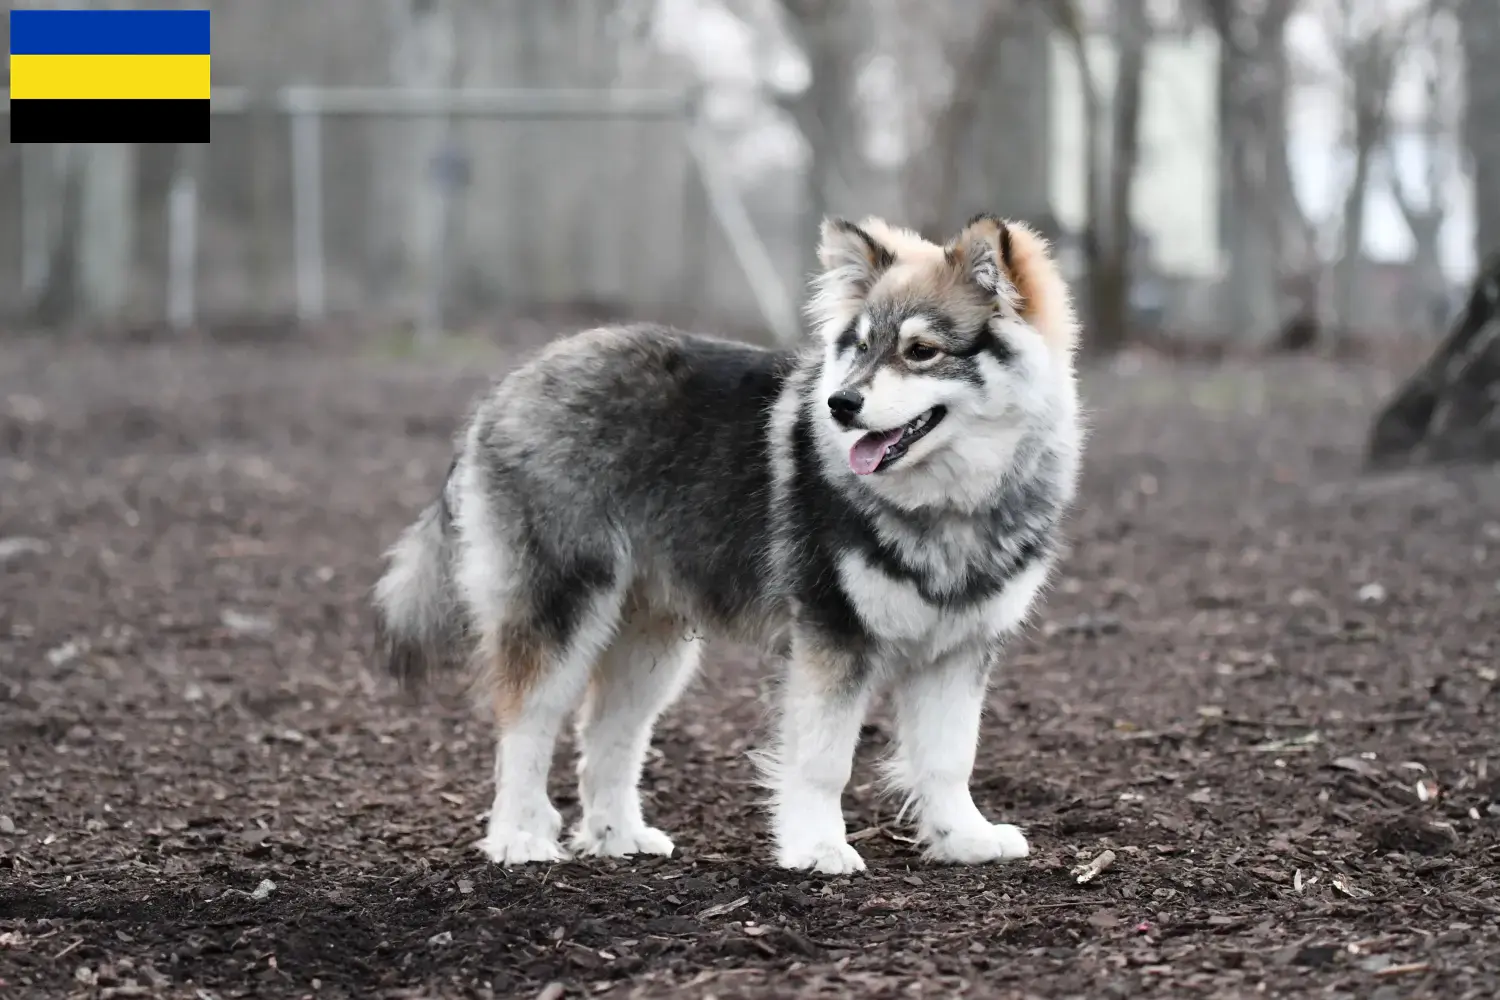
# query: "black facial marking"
(985, 342)
(848, 338)
(938, 323)
(959, 350)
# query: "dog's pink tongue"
(867, 452)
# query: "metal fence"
(499, 183)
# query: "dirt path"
(1252, 659)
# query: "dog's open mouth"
(881, 449)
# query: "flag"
(109, 76)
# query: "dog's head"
(939, 360)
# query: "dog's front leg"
(938, 708)
(823, 706)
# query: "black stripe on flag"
(109, 121)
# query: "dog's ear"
(1012, 264)
(982, 252)
(851, 257)
(853, 261)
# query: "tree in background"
(1435, 54)
(1370, 45)
(1265, 231)
(1480, 23)
(1449, 410)
(968, 96)
(1112, 141)
(979, 141)
(834, 36)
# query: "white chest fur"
(894, 611)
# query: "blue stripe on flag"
(109, 33)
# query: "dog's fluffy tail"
(419, 620)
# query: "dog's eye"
(921, 352)
(862, 346)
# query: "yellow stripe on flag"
(100, 77)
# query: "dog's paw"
(834, 857)
(518, 847)
(610, 842)
(979, 844)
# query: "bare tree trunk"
(264, 126)
(832, 36)
(43, 175)
(1426, 223)
(423, 56)
(1112, 147)
(1370, 63)
(83, 260)
(1449, 410)
(496, 225)
(56, 179)
(1005, 162)
(1112, 143)
(1481, 40)
(1095, 127)
(931, 182)
(1112, 273)
(265, 131)
(107, 228)
(1258, 212)
(1351, 247)
(1251, 275)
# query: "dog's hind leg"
(535, 664)
(645, 668)
(535, 682)
(542, 595)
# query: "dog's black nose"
(845, 404)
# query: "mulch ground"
(1265, 681)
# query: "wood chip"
(723, 908)
(1347, 888)
(1358, 766)
(1401, 970)
(1089, 872)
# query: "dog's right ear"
(853, 262)
(852, 254)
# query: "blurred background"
(1216, 173)
(1266, 673)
